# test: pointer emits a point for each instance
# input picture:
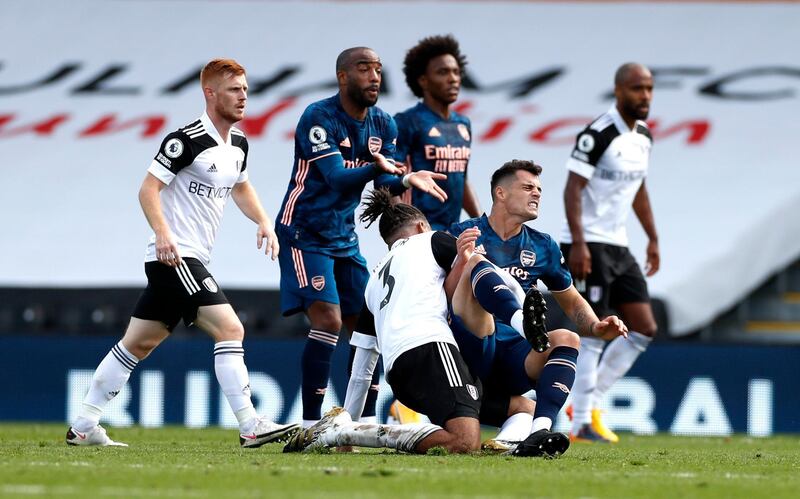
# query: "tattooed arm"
(586, 321)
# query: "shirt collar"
(212, 130)
(618, 121)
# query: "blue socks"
(492, 292)
(555, 382)
(316, 369)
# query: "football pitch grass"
(180, 462)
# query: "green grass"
(177, 462)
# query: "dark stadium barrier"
(691, 390)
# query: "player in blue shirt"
(505, 361)
(341, 143)
(431, 136)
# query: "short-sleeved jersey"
(426, 141)
(614, 158)
(529, 256)
(405, 301)
(314, 216)
(199, 170)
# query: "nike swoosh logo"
(251, 437)
(82, 436)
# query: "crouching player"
(405, 319)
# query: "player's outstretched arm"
(425, 181)
(609, 328)
(587, 322)
(246, 198)
(150, 199)
(388, 165)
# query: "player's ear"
(423, 83)
(341, 77)
(499, 192)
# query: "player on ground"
(341, 144)
(183, 196)
(405, 316)
(506, 361)
(433, 137)
(607, 173)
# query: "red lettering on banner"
(496, 129)
(44, 127)
(462, 107)
(551, 133)
(545, 134)
(698, 130)
(109, 124)
(256, 126)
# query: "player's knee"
(143, 347)
(564, 338)
(463, 444)
(233, 331)
(646, 327)
(650, 330)
(327, 319)
(520, 405)
(474, 260)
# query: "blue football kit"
(426, 141)
(319, 257)
(528, 257)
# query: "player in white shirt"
(405, 319)
(183, 196)
(607, 171)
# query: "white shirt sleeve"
(364, 363)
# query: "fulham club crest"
(210, 285)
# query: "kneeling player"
(406, 317)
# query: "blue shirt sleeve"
(558, 277)
(316, 134)
(389, 151)
(318, 139)
(340, 178)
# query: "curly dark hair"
(394, 216)
(420, 55)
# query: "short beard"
(357, 96)
(632, 111)
(226, 115)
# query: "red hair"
(220, 68)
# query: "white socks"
(618, 360)
(115, 369)
(541, 423)
(516, 428)
(404, 437)
(234, 381)
(108, 379)
(595, 375)
(516, 323)
(585, 380)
